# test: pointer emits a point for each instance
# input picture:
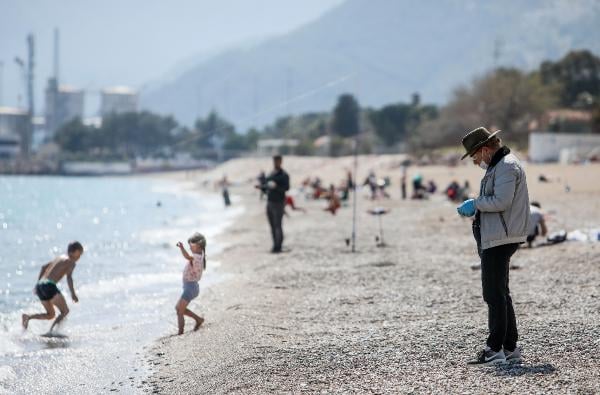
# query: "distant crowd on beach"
(336, 196)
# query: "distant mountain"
(381, 50)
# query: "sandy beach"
(399, 319)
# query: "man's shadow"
(521, 369)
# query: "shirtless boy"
(46, 289)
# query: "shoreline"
(127, 284)
(400, 319)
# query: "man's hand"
(467, 208)
(179, 244)
(75, 298)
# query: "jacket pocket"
(503, 224)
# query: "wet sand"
(399, 319)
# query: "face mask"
(482, 164)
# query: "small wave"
(7, 345)
(129, 283)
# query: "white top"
(193, 270)
(535, 217)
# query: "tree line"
(504, 98)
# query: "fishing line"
(279, 105)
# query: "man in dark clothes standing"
(275, 186)
(501, 217)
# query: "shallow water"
(127, 281)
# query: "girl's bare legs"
(182, 310)
(199, 320)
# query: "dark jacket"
(282, 184)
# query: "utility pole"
(27, 73)
(56, 53)
(1, 81)
(26, 143)
(30, 67)
(355, 170)
(288, 91)
(199, 100)
(498, 44)
(354, 177)
(23, 70)
(254, 96)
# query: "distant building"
(563, 120)
(96, 168)
(14, 129)
(266, 147)
(63, 104)
(322, 145)
(95, 122)
(117, 100)
(39, 136)
(563, 147)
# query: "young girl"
(191, 275)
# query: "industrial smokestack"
(30, 67)
(56, 48)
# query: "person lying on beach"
(47, 291)
(192, 273)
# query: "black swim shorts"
(46, 290)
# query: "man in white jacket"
(501, 223)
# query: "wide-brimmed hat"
(475, 139)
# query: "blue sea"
(127, 281)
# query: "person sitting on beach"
(453, 191)
(192, 273)
(371, 181)
(537, 223)
(431, 187)
(317, 189)
(47, 291)
(333, 201)
(419, 190)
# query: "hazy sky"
(133, 42)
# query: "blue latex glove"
(467, 208)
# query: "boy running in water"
(47, 291)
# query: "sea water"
(128, 280)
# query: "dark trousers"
(494, 280)
(275, 215)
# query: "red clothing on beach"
(289, 201)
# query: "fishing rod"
(274, 107)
